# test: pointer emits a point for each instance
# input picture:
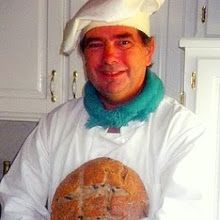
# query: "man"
(124, 115)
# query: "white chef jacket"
(158, 149)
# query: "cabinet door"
(203, 97)
(75, 69)
(208, 108)
(28, 54)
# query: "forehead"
(109, 32)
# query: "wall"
(12, 135)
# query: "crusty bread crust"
(102, 188)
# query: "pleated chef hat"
(95, 13)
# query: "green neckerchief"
(137, 109)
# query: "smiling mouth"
(112, 74)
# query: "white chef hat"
(95, 13)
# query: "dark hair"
(144, 38)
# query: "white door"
(208, 108)
(30, 35)
(202, 95)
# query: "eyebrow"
(116, 36)
(92, 39)
(124, 35)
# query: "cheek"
(136, 61)
(92, 60)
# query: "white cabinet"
(30, 35)
(34, 76)
(202, 95)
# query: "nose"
(110, 54)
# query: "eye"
(125, 44)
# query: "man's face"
(116, 61)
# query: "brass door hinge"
(6, 166)
(182, 98)
(74, 83)
(193, 80)
(204, 14)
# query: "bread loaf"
(100, 189)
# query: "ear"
(150, 51)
